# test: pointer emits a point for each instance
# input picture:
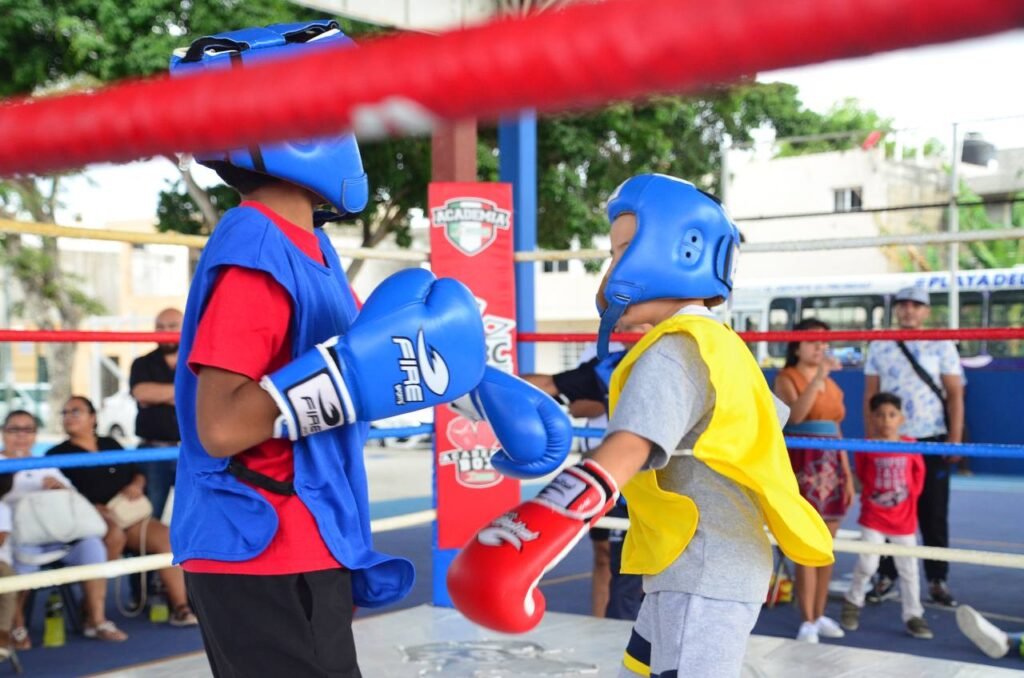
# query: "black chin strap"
(609, 319)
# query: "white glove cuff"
(285, 425)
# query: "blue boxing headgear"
(685, 247)
(328, 166)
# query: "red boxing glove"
(493, 580)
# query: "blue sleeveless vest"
(216, 516)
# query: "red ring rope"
(83, 336)
(990, 333)
(582, 56)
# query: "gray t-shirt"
(668, 399)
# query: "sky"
(927, 89)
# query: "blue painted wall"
(994, 406)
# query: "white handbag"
(126, 512)
(55, 517)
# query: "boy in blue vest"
(271, 519)
(694, 439)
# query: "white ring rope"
(420, 256)
(77, 573)
(845, 543)
(848, 541)
(117, 568)
(989, 558)
(196, 241)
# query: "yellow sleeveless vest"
(743, 442)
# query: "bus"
(994, 370)
(988, 298)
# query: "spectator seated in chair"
(106, 486)
(19, 435)
(7, 600)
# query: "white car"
(32, 398)
(116, 418)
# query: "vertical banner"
(471, 240)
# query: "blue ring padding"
(82, 459)
(859, 445)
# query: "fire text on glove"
(422, 366)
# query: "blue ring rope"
(147, 454)
(797, 443)
(860, 445)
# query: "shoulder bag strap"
(926, 378)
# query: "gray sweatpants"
(682, 634)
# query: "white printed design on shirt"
(921, 407)
(891, 486)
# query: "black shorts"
(279, 625)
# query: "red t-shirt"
(891, 483)
(245, 329)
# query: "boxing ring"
(429, 640)
(408, 85)
(440, 642)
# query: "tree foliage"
(47, 41)
(50, 297)
(991, 253)
(974, 216)
(179, 212)
(844, 126)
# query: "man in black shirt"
(152, 385)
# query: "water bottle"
(785, 590)
(158, 610)
(53, 625)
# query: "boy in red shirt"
(891, 482)
(278, 380)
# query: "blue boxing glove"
(418, 342)
(535, 434)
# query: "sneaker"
(849, 618)
(183, 616)
(828, 627)
(808, 632)
(983, 633)
(939, 593)
(106, 631)
(884, 589)
(918, 628)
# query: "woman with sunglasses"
(19, 435)
(100, 484)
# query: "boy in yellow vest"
(694, 440)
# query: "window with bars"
(847, 199)
(555, 267)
